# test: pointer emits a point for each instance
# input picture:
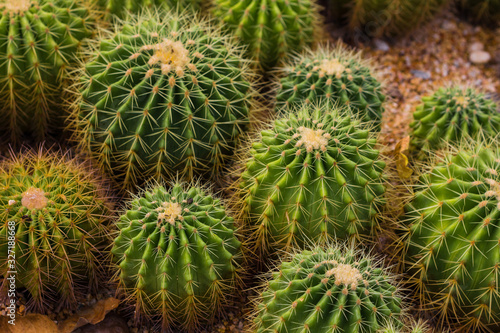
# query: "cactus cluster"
(312, 176)
(452, 237)
(121, 8)
(177, 255)
(449, 116)
(331, 289)
(166, 94)
(483, 11)
(55, 212)
(272, 30)
(383, 18)
(40, 41)
(334, 74)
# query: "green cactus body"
(120, 8)
(166, 94)
(333, 74)
(453, 246)
(177, 255)
(450, 115)
(481, 11)
(272, 29)
(312, 176)
(409, 326)
(39, 42)
(328, 290)
(369, 19)
(56, 214)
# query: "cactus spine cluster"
(121, 8)
(313, 175)
(177, 255)
(334, 74)
(369, 19)
(450, 115)
(331, 289)
(165, 94)
(453, 238)
(272, 30)
(55, 212)
(483, 11)
(39, 41)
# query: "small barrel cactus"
(166, 94)
(334, 74)
(313, 175)
(54, 216)
(121, 8)
(40, 42)
(272, 30)
(383, 18)
(481, 11)
(409, 326)
(328, 290)
(177, 255)
(450, 115)
(452, 239)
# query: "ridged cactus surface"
(328, 290)
(166, 94)
(56, 213)
(177, 255)
(336, 75)
(481, 11)
(272, 30)
(313, 175)
(453, 248)
(449, 116)
(39, 42)
(121, 8)
(389, 18)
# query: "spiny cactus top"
(409, 326)
(56, 213)
(451, 114)
(328, 290)
(483, 11)
(313, 175)
(368, 19)
(121, 8)
(272, 29)
(165, 94)
(177, 254)
(454, 237)
(39, 41)
(334, 74)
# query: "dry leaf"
(90, 315)
(401, 160)
(31, 323)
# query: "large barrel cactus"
(40, 41)
(449, 116)
(166, 94)
(54, 219)
(312, 176)
(272, 30)
(327, 290)
(177, 255)
(389, 18)
(336, 75)
(452, 240)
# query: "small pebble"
(476, 46)
(480, 57)
(426, 75)
(381, 45)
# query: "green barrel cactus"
(409, 326)
(40, 41)
(177, 255)
(383, 18)
(312, 176)
(328, 290)
(334, 74)
(481, 11)
(54, 221)
(450, 115)
(121, 8)
(165, 95)
(272, 30)
(453, 238)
